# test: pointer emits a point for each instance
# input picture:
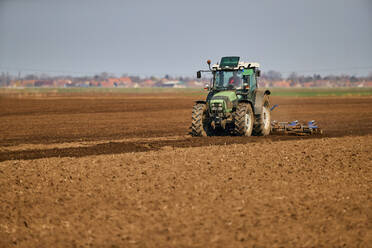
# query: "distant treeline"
(295, 77)
(268, 79)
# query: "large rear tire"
(262, 125)
(243, 119)
(200, 125)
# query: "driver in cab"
(235, 81)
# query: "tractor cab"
(231, 74)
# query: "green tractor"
(234, 104)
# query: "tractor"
(234, 105)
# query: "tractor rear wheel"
(262, 125)
(243, 119)
(200, 125)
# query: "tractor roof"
(233, 63)
(240, 65)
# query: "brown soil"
(56, 120)
(122, 172)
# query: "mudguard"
(246, 101)
(210, 95)
(259, 95)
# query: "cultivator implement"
(295, 128)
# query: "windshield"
(228, 79)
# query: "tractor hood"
(226, 98)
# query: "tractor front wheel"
(200, 125)
(243, 119)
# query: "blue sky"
(177, 37)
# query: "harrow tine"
(295, 127)
(273, 107)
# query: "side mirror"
(198, 74)
(258, 73)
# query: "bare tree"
(369, 77)
(273, 75)
(293, 77)
(31, 77)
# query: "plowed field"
(120, 170)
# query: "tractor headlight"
(216, 107)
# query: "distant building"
(167, 84)
(44, 83)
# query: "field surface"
(119, 169)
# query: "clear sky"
(177, 37)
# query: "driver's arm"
(238, 81)
(231, 80)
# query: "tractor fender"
(209, 97)
(245, 101)
(258, 100)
